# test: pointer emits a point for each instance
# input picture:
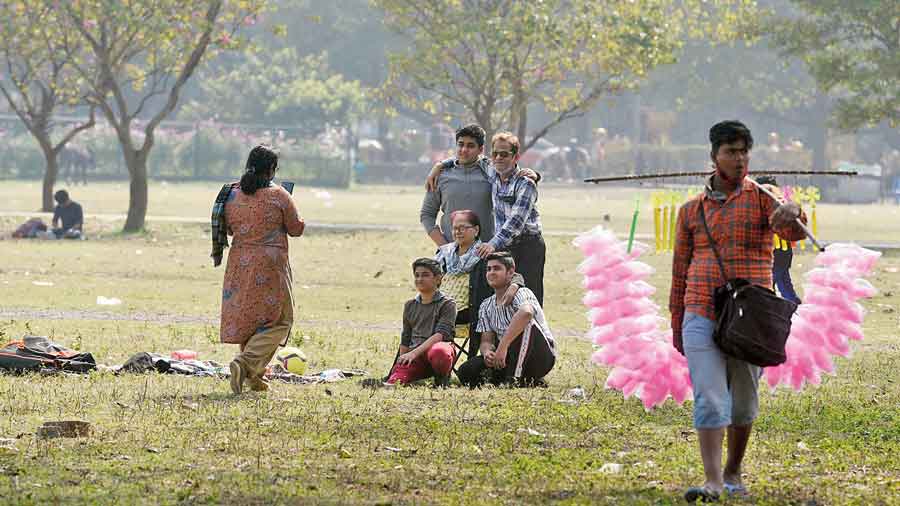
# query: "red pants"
(437, 361)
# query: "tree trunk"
(483, 118)
(518, 117)
(49, 181)
(383, 128)
(50, 173)
(636, 134)
(138, 194)
(817, 132)
(522, 127)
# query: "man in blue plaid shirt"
(516, 219)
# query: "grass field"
(174, 440)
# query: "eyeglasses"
(501, 154)
(462, 228)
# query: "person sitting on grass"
(516, 344)
(426, 347)
(68, 217)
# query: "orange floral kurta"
(258, 274)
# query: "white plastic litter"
(611, 468)
(331, 375)
(104, 301)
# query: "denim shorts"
(726, 390)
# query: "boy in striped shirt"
(516, 343)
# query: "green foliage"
(38, 55)
(37, 52)
(350, 33)
(280, 88)
(494, 58)
(21, 156)
(853, 51)
(743, 74)
(141, 56)
(208, 151)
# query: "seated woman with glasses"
(464, 275)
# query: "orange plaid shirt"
(740, 226)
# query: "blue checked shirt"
(514, 202)
(515, 213)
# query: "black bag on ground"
(35, 353)
(752, 322)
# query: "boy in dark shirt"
(426, 347)
(69, 213)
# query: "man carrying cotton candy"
(741, 221)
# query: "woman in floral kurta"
(257, 304)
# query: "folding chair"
(462, 332)
(456, 286)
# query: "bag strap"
(712, 244)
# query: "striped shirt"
(740, 224)
(515, 213)
(496, 319)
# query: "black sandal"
(701, 494)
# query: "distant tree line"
(535, 68)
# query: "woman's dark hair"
(468, 215)
(726, 132)
(261, 164)
(474, 131)
(61, 196)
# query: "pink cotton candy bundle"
(596, 241)
(852, 257)
(615, 310)
(659, 374)
(626, 323)
(829, 317)
(618, 290)
(841, 280)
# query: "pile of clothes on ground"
(41, 355)
(35, 228)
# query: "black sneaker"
(441, 381)
(701, 494)
(531, 383)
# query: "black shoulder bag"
(752, 323)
